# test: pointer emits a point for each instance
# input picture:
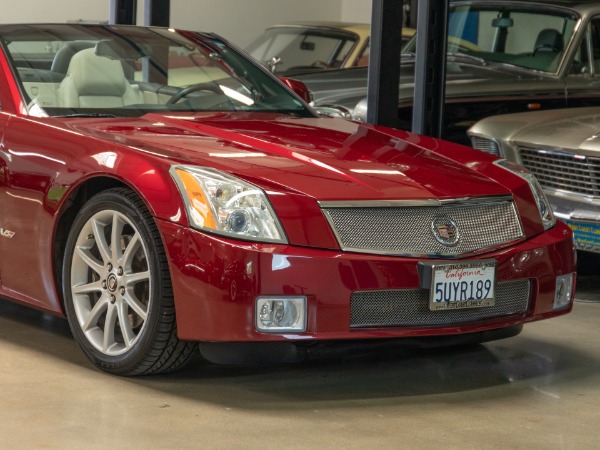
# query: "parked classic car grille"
(485, 144)
(407, 230)
(410, 307)
(564, 171)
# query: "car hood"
(576, 129)
(327, 159)
(346, 87)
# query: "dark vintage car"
(503, 56)
(562, 149)
(314, 46)
(167, 194)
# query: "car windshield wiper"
(88, 115)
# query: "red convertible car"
(166, 193)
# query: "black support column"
(157, 13)
(430, 68)
(384, 62)
(122, 12)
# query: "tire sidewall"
(127, 362)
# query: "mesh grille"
(486, 145)
(407, 230)
(409, 307)
(564, 171)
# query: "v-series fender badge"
(6, 233)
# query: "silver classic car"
(503, 57)
(562, 149)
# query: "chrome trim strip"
(477, 200)
(574, 197)
(550, 150)
(413, 203)
(584, 219)
(430, 255)
(377, 203)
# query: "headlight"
(223, 204)
(543, 205)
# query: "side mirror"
(298, 87)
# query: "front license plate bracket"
(459, 285)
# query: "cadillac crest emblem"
(445, 231)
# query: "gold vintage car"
(301, 47)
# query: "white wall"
(240, 21)
(356, 11)
(28, 11)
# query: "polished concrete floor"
(539, 390)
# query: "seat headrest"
(97, 75)
(549, 39)
(63, 56)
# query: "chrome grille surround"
(485, 145)
(404, 228)
(409, 307)
(568, 172)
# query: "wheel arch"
(154, 347)
(75, 200)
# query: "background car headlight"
(224, 204)
(543, 205)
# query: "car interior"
(87, 75)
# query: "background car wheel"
(117, 288)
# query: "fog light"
(564, 291)
(277, 314)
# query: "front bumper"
(582, 215)
(216, 282)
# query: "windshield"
(291, 48)
(129, 71)
(513, 33)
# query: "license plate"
(463, 285)
(585, 234)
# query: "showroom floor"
(539, 390)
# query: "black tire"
(120, 303)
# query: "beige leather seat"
(96, 82)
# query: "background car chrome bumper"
(565, 208)
(580, 214)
